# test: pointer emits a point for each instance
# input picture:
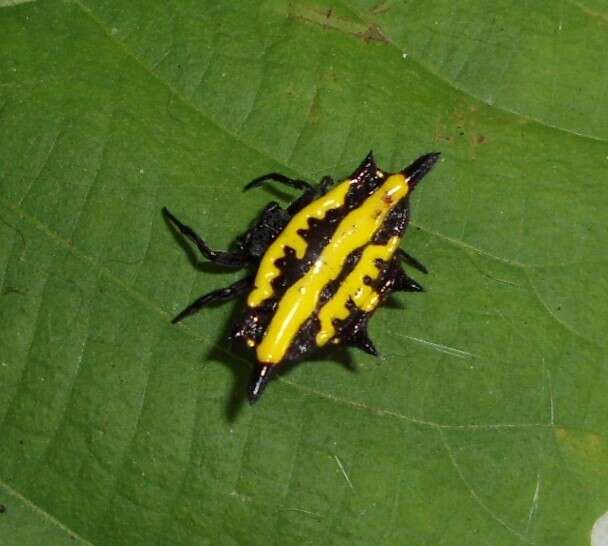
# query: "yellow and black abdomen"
(327, 272)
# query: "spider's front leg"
(229, 259)
(223, 294)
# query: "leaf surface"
(485, 419)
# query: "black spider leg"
(277, 177)
(408, 259)
(307, 197)
(310, 192)
(230, 259)
(223, 294)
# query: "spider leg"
(410, 260)
(277, 177)
(223, 294)
(230, 259)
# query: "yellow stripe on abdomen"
(354, 288)
(301, 299)
(268, 271)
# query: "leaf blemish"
(328, 20)
(346, 477)
(10, 3)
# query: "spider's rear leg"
(223, 294)
(229, 259)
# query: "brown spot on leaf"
(382, 7)
(314, 112)
(11, 290)
(330, 21)
(373, 34)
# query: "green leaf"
(484, 421)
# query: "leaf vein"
(44, 514)
(476, 496)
